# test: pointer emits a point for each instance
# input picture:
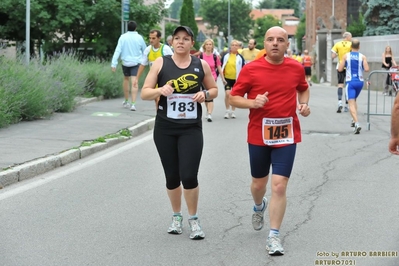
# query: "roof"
(278, 13)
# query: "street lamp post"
(228, 24)
(27, 32)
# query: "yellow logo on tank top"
(184, 83)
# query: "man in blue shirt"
(130, 49)
(356, 64)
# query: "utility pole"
(228, 25)
(27, 34)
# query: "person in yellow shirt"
(232, 63)
(298, 57)
(239, 47)
(153, 51)
(339, 50)
(250, 52)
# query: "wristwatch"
(206, 93)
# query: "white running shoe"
(357, 129)
(196, 230)
(258, 216)
(176, 226)
(125, 104)
(273, 245)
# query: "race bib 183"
(277, 131)
(181, 106)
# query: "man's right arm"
(394, 142)
(116, 55)
(143, 64)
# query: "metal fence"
(380, 96)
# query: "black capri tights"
(180, 151)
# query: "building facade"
(319, 14)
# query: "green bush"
(35, 91)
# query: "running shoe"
(258, 216)
(273, 245)
(339, 108)
(232, 115)
(125, 104)
(132, 107)
(357, 129)
(176, 226)
(353, 123)
(346, 109)
(196, 230)
(226, 115)
(209, 118)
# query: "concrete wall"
(372, 47)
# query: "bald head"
(355, 44)
(276, 43)
(277, 29)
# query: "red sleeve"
(303, 85)
(243, 83)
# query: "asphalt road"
(112, 209)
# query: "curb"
(47, 163)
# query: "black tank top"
(186, 82)
(388, 60)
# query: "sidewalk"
(32, 148)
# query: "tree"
(187, 18)
(261, 26)
(64, 23)
(288, 4)
(300, 32)
(169, 28)
(381, 17)
(214, 12)
(265, 4)
(175, 7)
(357, 27)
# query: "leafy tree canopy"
(265, 4)
(175, 7)
(57, 22)
(187, 18)
(381, 17)
(357, 27)
(280, 4)
(261, 26)
(288, 4)
(215, 13)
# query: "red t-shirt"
(277, 122)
